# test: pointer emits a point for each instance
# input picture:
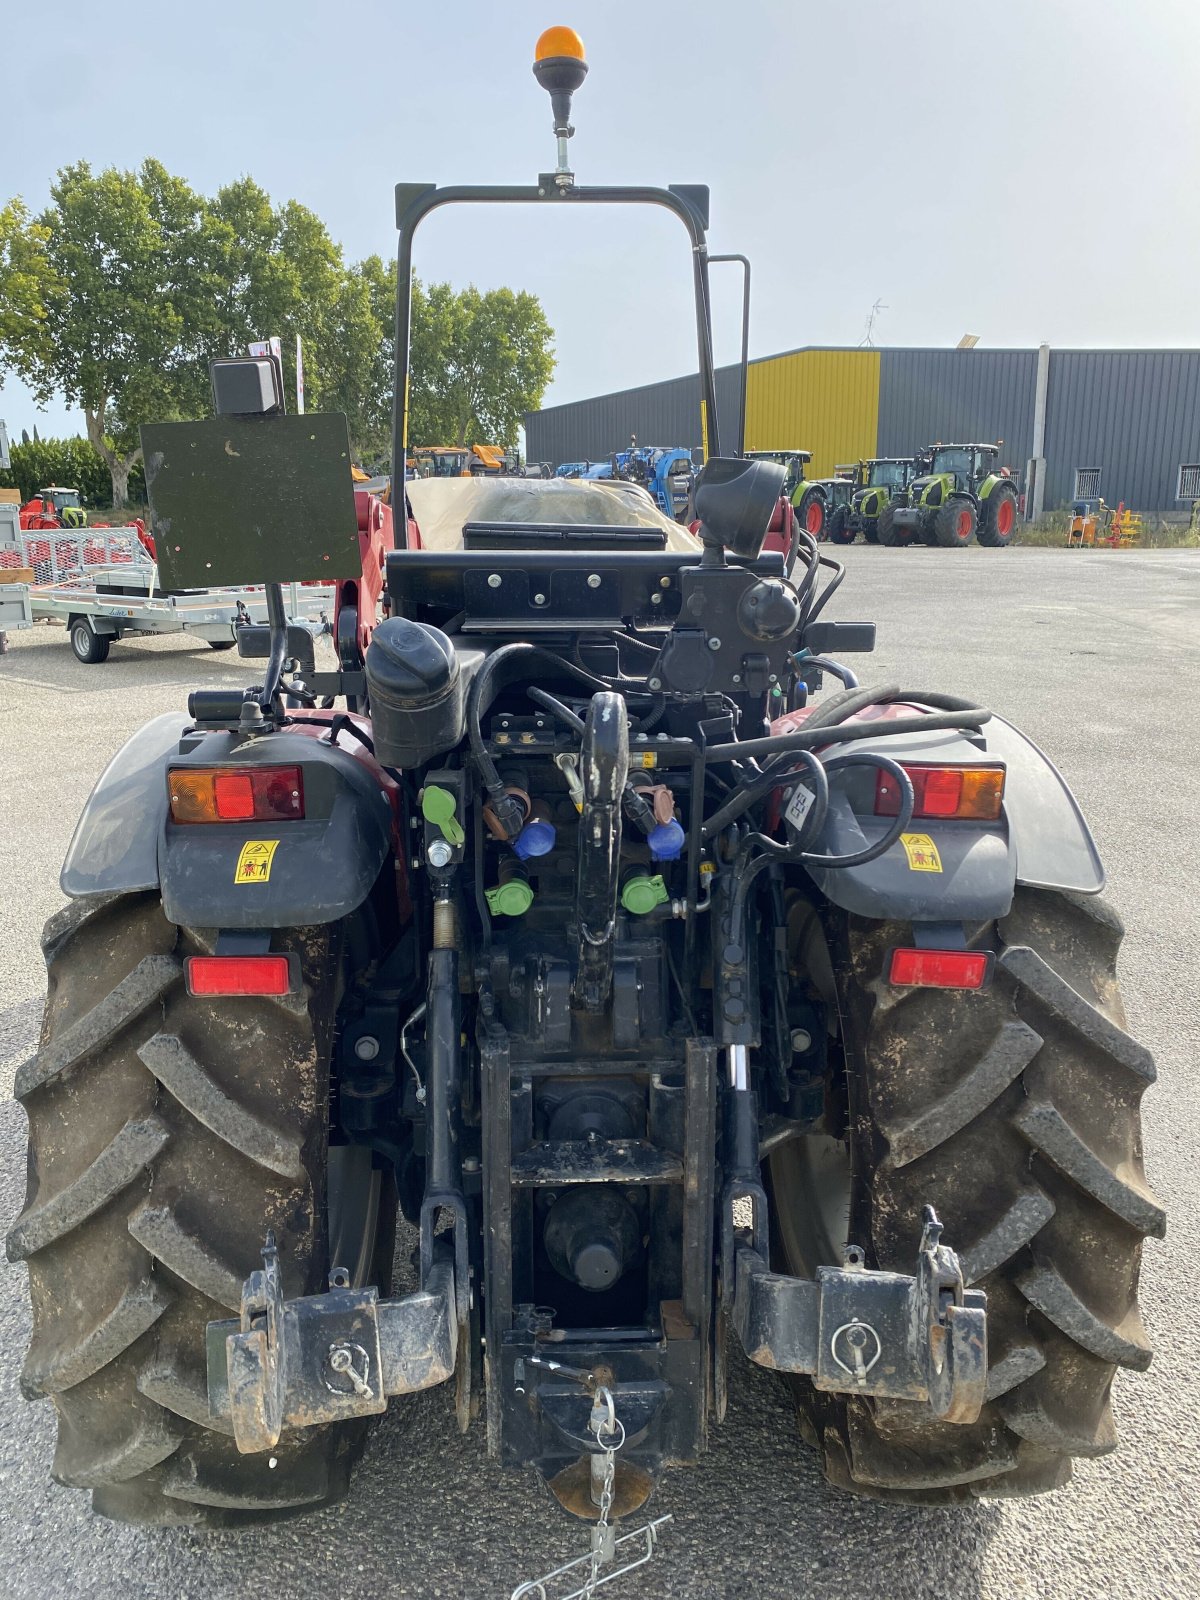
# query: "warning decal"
(921, 851)
(254, 863)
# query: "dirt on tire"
(1015, 1111)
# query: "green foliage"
(70, 464)
(118, 296)
(26, 282)
(479, 362)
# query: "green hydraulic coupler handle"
(438, 807)
(640, 894)
(513, 895)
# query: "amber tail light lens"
(236, 794)
(972, 793)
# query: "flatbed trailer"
(102, 583)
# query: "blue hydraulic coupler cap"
(666, 841)
(535, 839)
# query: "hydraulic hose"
(805, 738)
(492, 676)
(870, 758)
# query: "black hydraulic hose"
(779, 772)
(830, 589)
(805, 738)
(908, 800)
(557, 709)
(840, 707)
(487, 683)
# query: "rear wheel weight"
(1014, 1111)
(137, 1097)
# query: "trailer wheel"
(167, 1134)
(1014, 1111)
(999, 517)
(89, 646)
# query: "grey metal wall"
(1135, 414)
(659, 413)
(960, 396)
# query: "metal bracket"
(325, 1357)
(854, 1331)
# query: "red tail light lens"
(939, 969)
(239, 975)
(237, 794)
(961, 792)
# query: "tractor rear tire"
(89, 646)
(839, 529)
(813, 513)
(167, 1134)
(999, 517)
(953, 524)
(889, 533)
(1013, 1110)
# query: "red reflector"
(226, 975)
(939, 969)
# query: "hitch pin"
(587, 1379)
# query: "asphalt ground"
(1097, 656)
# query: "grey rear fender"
(319, 869)
(1041, 839)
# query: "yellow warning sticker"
(647, 758)
(254, 863)
(921, 851)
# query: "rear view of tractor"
(877, 483)
(54, 508)
(961, 495)
(674, 1007)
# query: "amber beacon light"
(560, 68)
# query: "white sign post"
(299, 377)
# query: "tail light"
(974, 793)
(242, 975)
(939, 969)
(236, 794)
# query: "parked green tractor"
(823, 506)
(961, 494)
(878, 481)
(793, 462)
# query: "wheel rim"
(81, 641)
(1005, 516)
(963, 526)
(814, 517)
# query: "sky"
(1023, 171)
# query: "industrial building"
(1119, 424)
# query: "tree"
(128, 271)
(26, 282)
(479, 362)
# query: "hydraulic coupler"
(326, 1357)
(855, 1331)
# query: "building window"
(1189, 483)
(1087, 483)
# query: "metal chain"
(603, 1424)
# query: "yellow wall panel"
(826, 401)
